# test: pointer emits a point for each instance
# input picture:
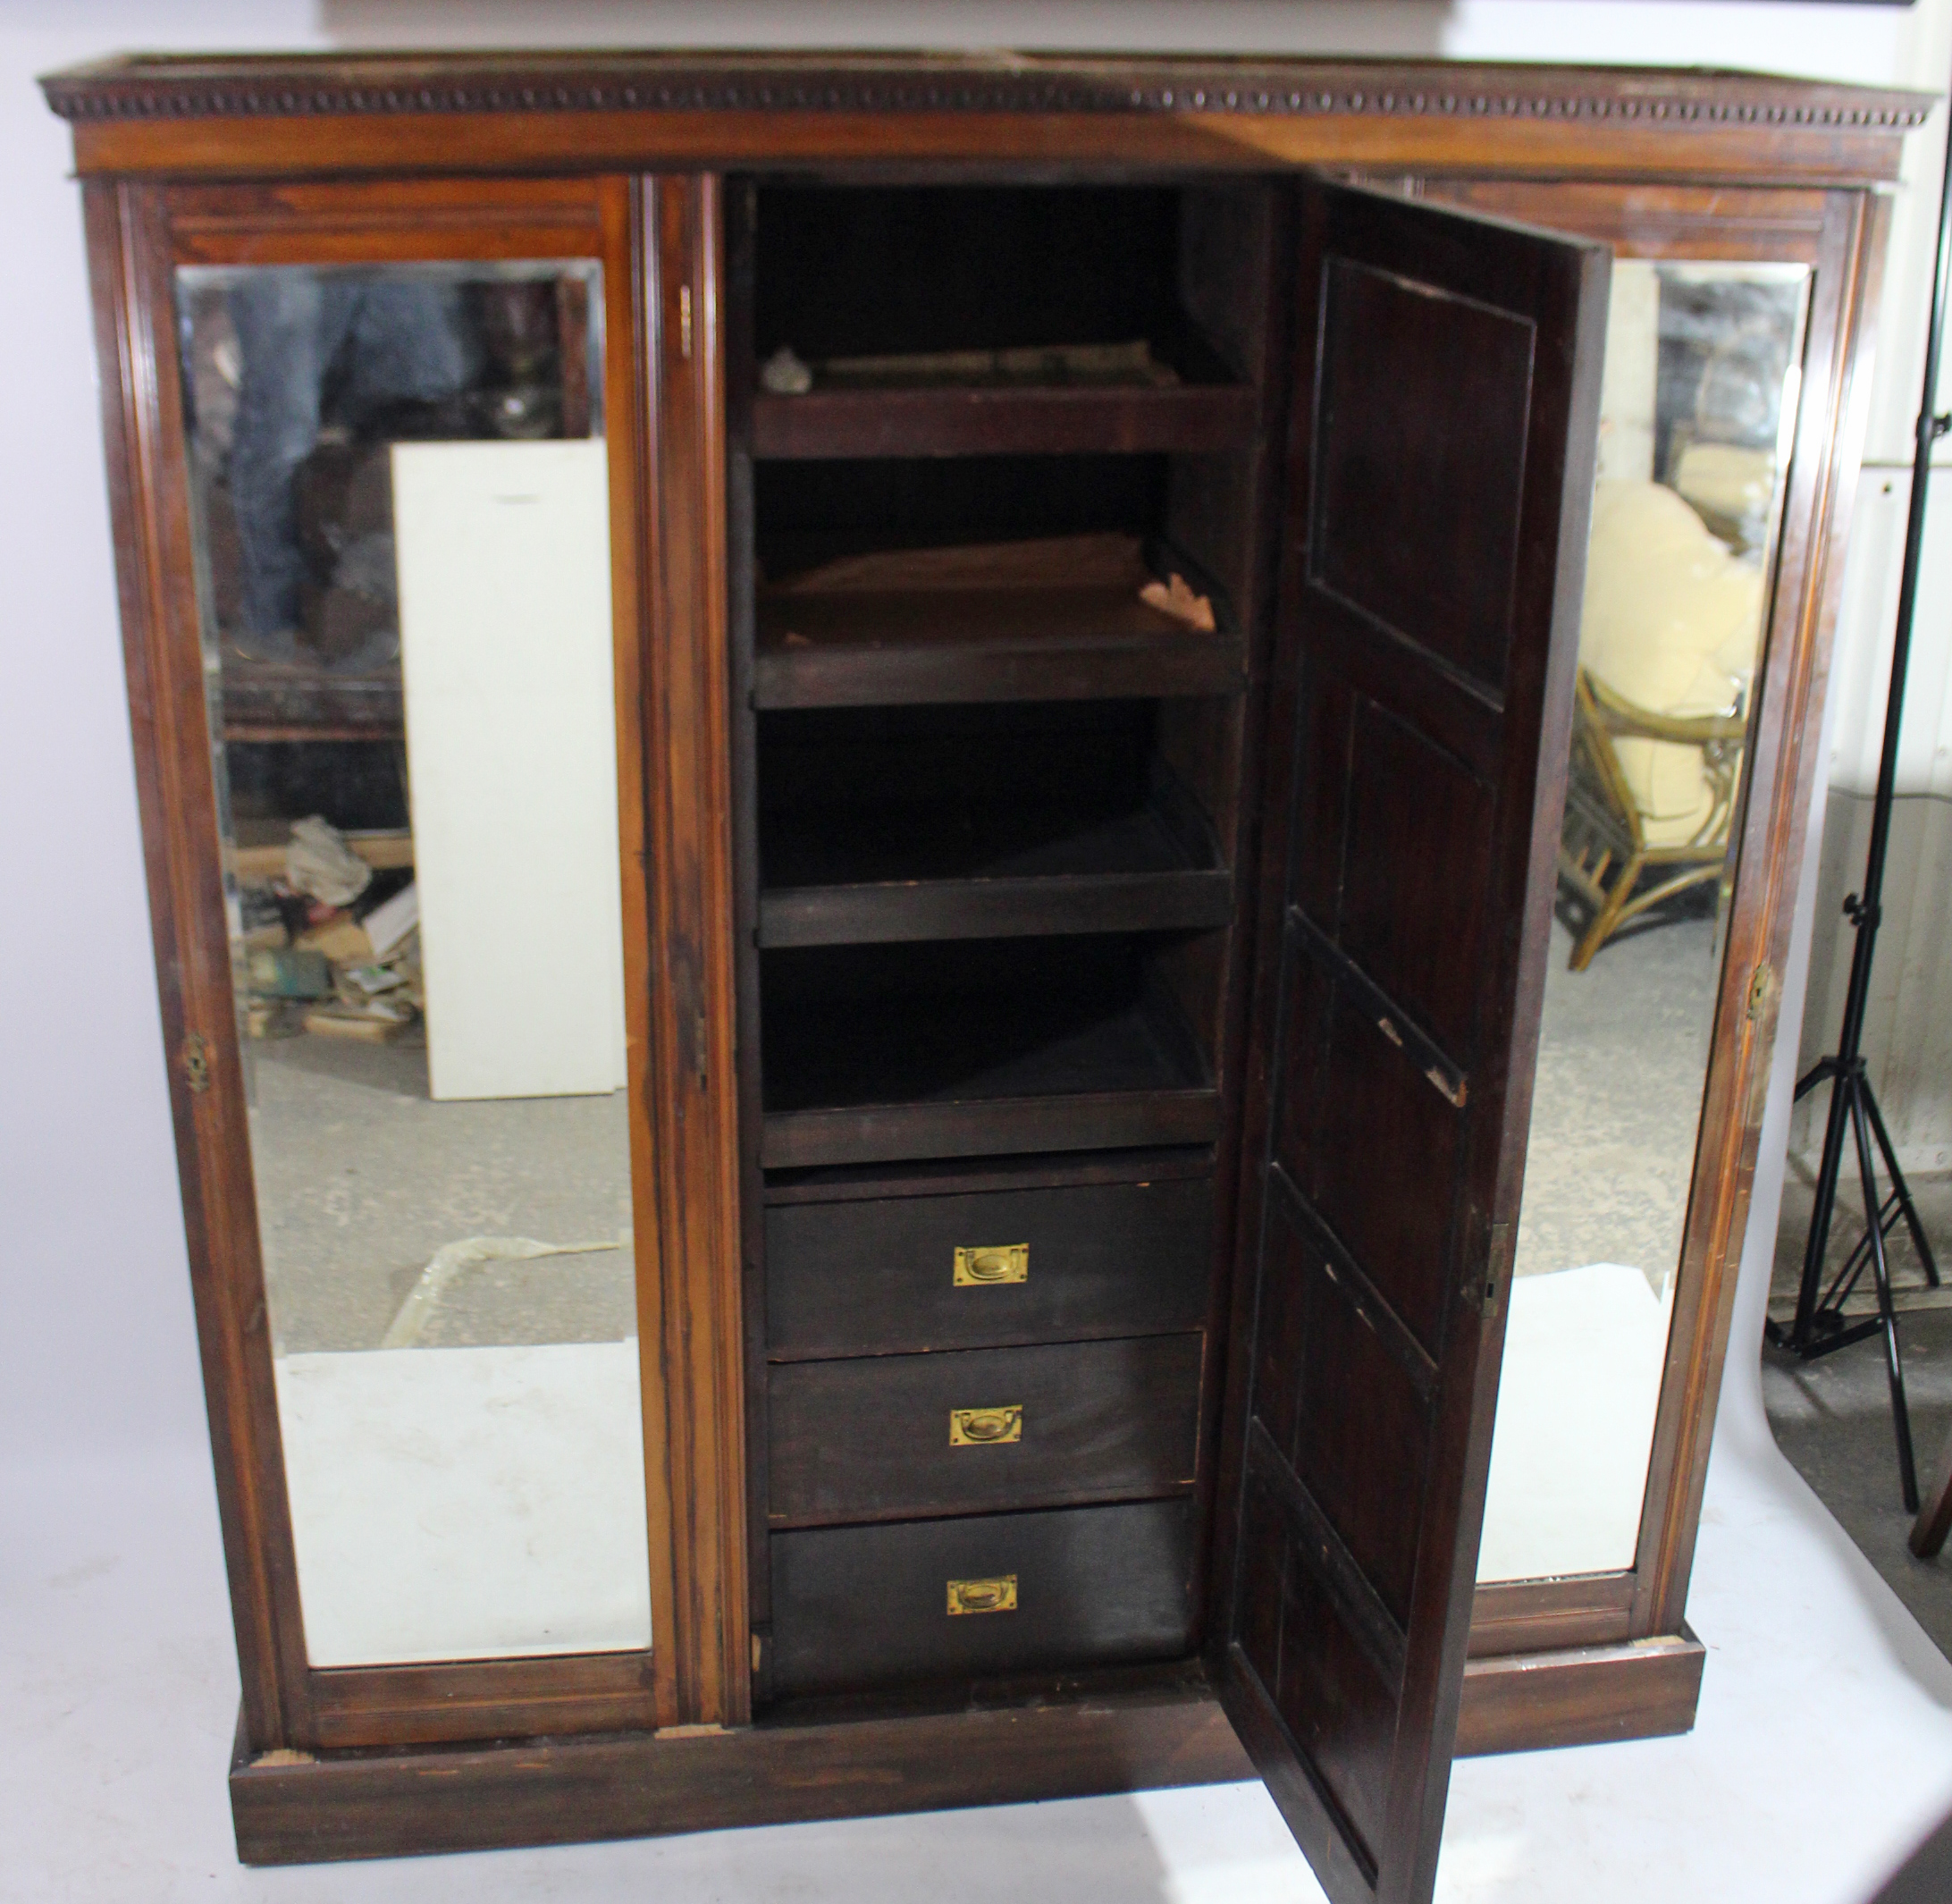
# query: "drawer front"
(860, 1608)
(972, 1429)
(1102, 1259)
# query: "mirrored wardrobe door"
(1698, 412)
(400, 495)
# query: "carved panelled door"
(1439, 479)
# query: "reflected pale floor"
(361, 1178)
(1577, 1400)
(466, 1504)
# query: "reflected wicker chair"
(1603, 855)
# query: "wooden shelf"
(988, 871)
(995, 908)
(955, 1177)
(1047, 631)
(1062, 420)
(885, 1132)
(1003, 644)
(973, 1073)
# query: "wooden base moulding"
(1157, 1729)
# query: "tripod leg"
(1903, 1189)
(1840, 1291)
(1824, 1067)
(1821, 1211)
(1894, 1366)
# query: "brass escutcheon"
(983, 1596)
(196, 1062)
(980, 1428)
(1007, 1262)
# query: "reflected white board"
(503, 553)
(1629, 381)
(1577, 1398)
(466, 1504)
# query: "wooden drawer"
(858, 1607)
(874, 1438)
(1104, 1259)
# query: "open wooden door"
(1440, 474)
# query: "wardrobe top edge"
(139, 86)
(312, 116)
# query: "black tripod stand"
(1819, 1328)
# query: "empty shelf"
(985, 871)
(964, 1074)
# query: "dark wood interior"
(994, 845)
(979, 821)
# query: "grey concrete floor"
(1832, 1418)
(362, 1177)
(1623, 1051)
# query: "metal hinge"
(684, 322)
(195, 1060)
(1496, 1263)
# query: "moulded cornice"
(337, 85)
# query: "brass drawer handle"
(982, 1427)
(983, 1596)
(992, 1263)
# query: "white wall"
(96, 1348)
(1908, 1029)
(1908, 1025)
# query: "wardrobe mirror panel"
(1697, 415)
(400, 504)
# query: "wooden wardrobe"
(1104, 1029)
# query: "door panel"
(1416, 529)
(1440, 468)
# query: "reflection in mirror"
(400, 500)
(1697, 413)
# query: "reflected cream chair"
(1667, 647)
